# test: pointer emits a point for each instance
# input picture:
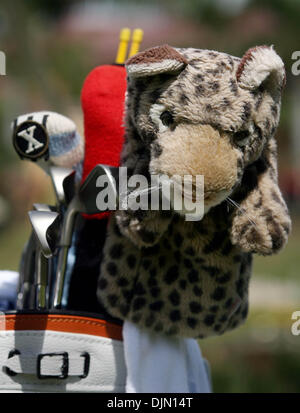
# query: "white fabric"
(8, 289)
(161, 364)
(107, 371)
(8, 284)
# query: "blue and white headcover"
(65, 145)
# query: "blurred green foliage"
(285, 265)
(256, 358)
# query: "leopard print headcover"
(192, 112)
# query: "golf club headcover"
(192, 113)
(102, 99)
(48, 138)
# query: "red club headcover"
(102, 100)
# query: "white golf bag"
(50, 341)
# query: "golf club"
(45, 226)
(48, 139)
(44, 207)
(26, 293)
(84, 201)
(26, 288)
(58, 174)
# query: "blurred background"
(50, 47)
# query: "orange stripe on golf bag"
(63, 323)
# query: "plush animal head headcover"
(197, 112)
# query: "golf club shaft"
(65, 243)
(41, 280)
(26, 296)
(60, 276)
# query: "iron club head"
(58, 175)
(45, 226)
(89, 190)
(44, 207)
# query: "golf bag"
(60, 338)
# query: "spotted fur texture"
(191, 278)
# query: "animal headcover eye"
(241, 137)
(167, 118)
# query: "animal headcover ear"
(259, 64)
(160, 59)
